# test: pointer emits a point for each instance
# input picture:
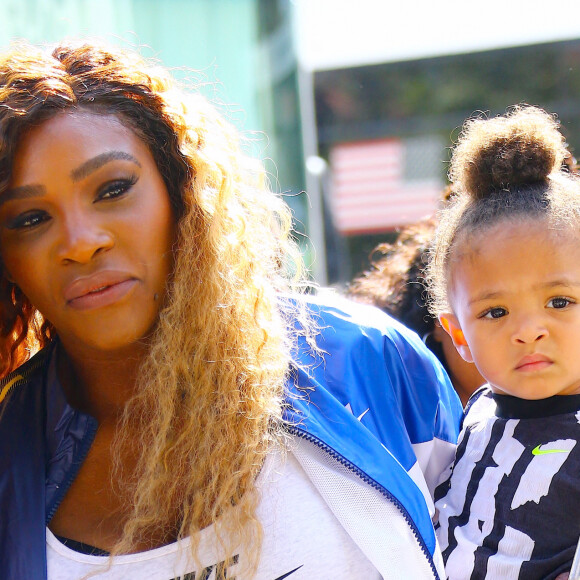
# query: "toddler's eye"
(496, 312)
(559, 302)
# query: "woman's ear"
(8, 277)
(450, 323)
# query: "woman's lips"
(99, 290)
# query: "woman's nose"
(82, 238)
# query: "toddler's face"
(515, 293)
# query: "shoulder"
(479, 408)
(17, 380)
(22, 416)
(339, 321)
(368, 360)
(346, 331)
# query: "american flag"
(380, 185)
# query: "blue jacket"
(373, 397)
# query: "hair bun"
(522, 147)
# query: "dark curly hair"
(510, 167)
(394, 280)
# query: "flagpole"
(313, 177)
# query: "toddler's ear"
(449, 322)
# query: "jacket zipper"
(369, 481)
(86, 443)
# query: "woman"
(184, 416)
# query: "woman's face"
(86, 229)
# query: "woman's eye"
(559, 302)
(116, 188)
(496, 312)
(27, 220)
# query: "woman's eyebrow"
(98, 161)
(22, 193)
(77, 174)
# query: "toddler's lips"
(534, 362)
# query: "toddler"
(505, 279)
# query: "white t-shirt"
(302, 539)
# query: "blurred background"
(356, 102)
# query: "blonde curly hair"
(208, 407)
